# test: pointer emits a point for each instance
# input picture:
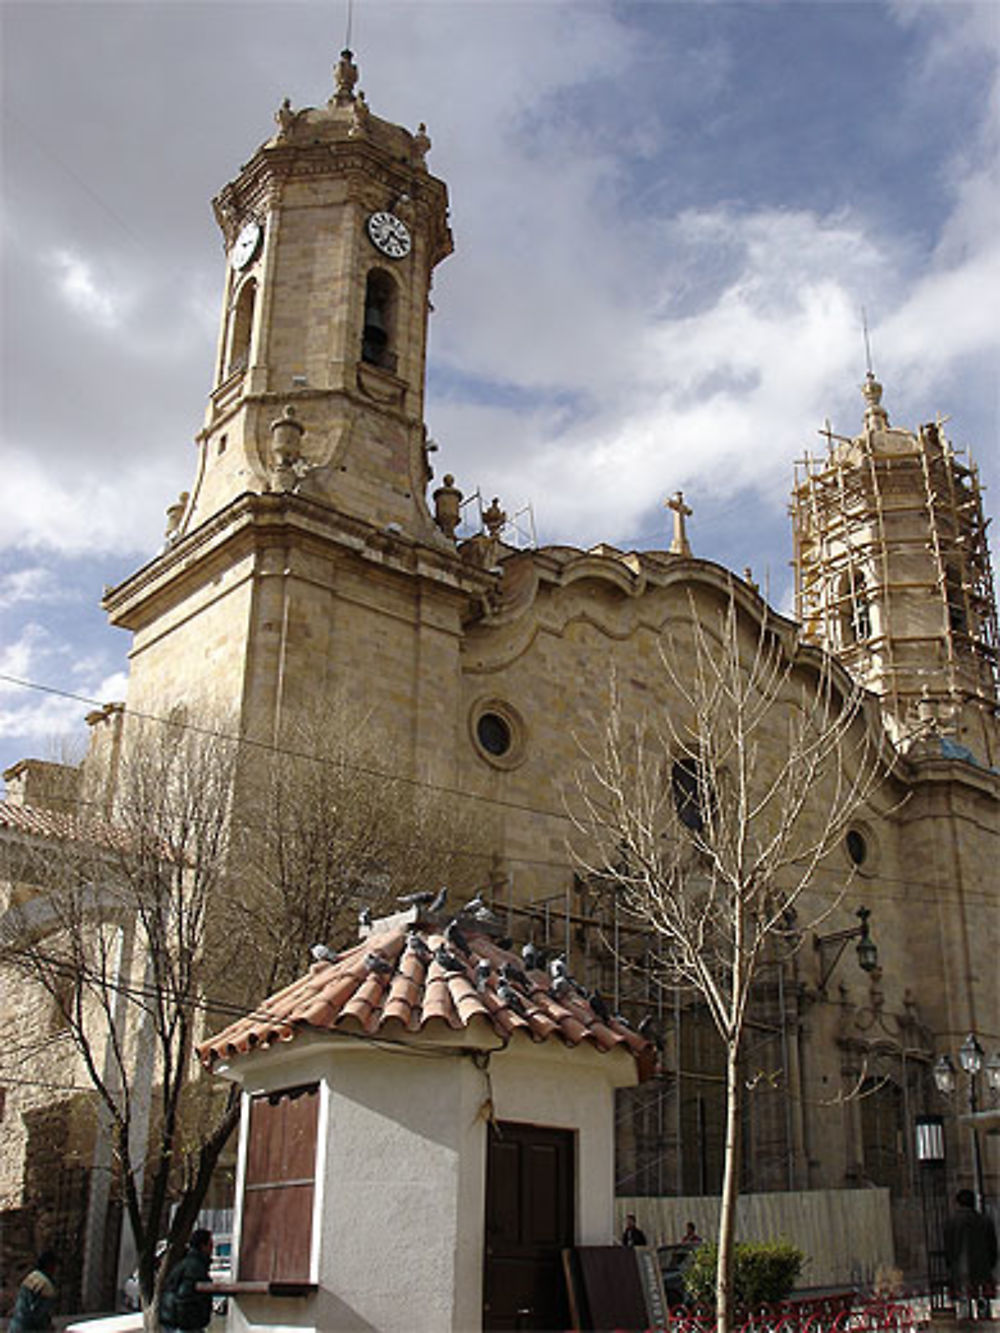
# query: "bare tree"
(114, 931)
(711, 818)
(328, 833)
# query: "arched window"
(692, 790)
(378, 337)
(855, 611)
(241, 329)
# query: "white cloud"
(32, 584)
(78, 285)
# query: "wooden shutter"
(279, 1185)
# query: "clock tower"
(332, 232)
(305, 550)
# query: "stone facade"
(306, 564)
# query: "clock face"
(388, 234)
(246, 244)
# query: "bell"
(376, 335)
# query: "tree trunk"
(730, 1191)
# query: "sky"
(668, 218)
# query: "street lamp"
(837, 942)
(971, 1058)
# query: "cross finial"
(680, 544)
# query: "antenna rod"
(868, 346)
(350, 17)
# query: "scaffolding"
(892, 569)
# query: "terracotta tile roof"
(38, 823)
(402, 981)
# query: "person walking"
(182, 1305)
(970, 1246)
(36, 1296)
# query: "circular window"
(857, 846)
(493, 733)
(497, 732)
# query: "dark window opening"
(279, 1185)
(857, 848)
(692, 793)
(494, 734)
(378, 336)
(242, 329)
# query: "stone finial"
(286, 446)
(359, 115)
(448, 506)
(175, 513)
(345, 76)
(421, 146)
(876, 417)
(494, 517)
(748, 579)
(680, 544)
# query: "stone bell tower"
(332, 231)
(893, 575)
(305, 549)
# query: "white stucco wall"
(401, 1199)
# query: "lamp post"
(831, 947)
(971, 1058)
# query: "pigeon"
(322, 954)
(530, 955)
(416, 899)
(598, 1006)
(484, 968)
(365, 917)
(376, 963)
(505, 943)
(512, 974)
(622, 1021)
(647, 1028)
(559, 988)
(557, 968)
(438, 901)
(447, 960)
(474, 906)
(455, 938)
(416, 944)
(510, 998)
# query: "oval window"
(494, 734)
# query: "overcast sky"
(667, 219)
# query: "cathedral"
(317, 556)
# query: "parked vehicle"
(673, 1260)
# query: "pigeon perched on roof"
(455, 938)
(448, 960)
(365, 917)
(322, 954)
(530, 955)
(474, 905)
(418, 945)
(558, 968)
(599, 1007)
(438, 901)
(420, 899)
(559, 988)
(376, 963)
(515, 976)
(648, 1029)
(622, 1021)
(510, 998)
(484, 969)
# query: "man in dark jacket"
(182, 1305)
(36, 1297)
(970, 1243)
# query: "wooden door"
(529, 1220)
